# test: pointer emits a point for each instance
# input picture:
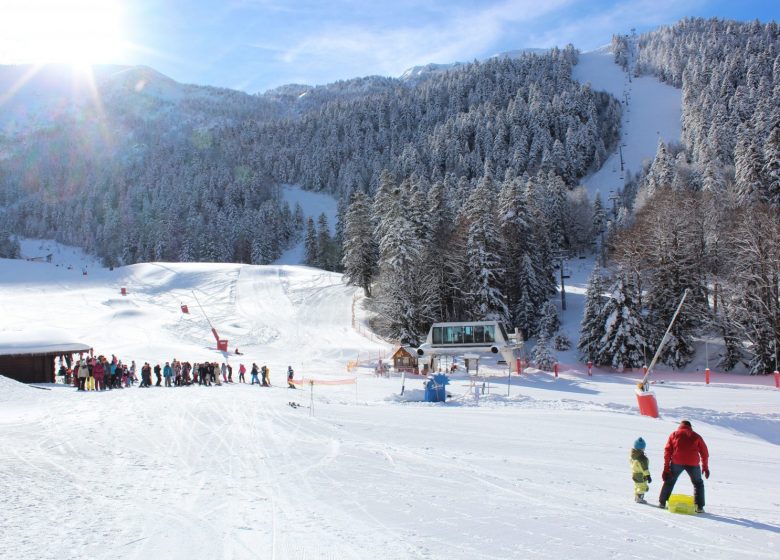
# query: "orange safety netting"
(324, 381)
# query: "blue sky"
(255, 45)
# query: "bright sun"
(67, 31)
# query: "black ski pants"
(698, 484)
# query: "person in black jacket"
(157, 373)
(290, 376)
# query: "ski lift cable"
(202, 310)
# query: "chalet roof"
(20, 343)
(405, 350)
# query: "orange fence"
(304, 381)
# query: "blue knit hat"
(640, 444)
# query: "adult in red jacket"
(684, 449)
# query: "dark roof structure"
(32, 361)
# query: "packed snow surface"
(651, 112)
(538, 469)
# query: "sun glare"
(78, 32)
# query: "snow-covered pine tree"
(325, 249)
(592, 326)
(771, 169)
(515, 235)
(439, 264)
(360, 250)
(542, 355)
(549, 322)
(398, 293)
(623, 342)
(485, 268)
(9, 245)
(747, 169)
(311, 255)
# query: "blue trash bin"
(436, 388)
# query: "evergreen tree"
(485, 268)
(542, 356)
(592, 326)
(623, 342)
(360, 250)
(325, 252)
(311, 255)
(399, 298)
(9, 245)
(550, 322)
(747, 168)
(771, 169)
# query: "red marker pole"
(707, 376)
(777, 379)
(590, 369)
(555, 369)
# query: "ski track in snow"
(234, 472)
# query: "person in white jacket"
(83, 373)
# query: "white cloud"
(464, 35)
(597, 29)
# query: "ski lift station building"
(468, 337)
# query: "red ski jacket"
(684, 447)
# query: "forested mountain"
(159, 171)
(457, 187)
(704, 215)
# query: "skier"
(157, 374)
(683, 450)
(290, 375)
(223, 369)
(241, 372)
(230, 373)
(167, 373)
(254, 374)
(640, 471)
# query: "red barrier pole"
(555, 369)
(777, 379)
(707, 376)
(590, 369)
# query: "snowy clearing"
(234, 472)
(313, 204)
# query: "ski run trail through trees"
(538, 469)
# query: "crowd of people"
(98, 373)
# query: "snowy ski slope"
(234, 472)
(651, 111)
(538, 469)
